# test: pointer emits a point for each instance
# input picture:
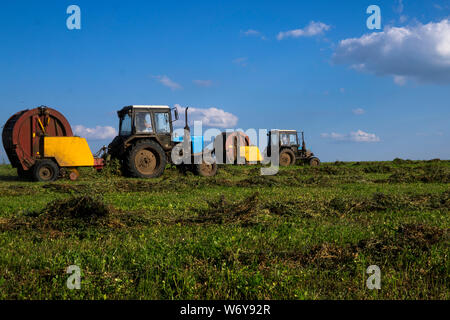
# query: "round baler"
(40, 144)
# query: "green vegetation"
(307, 233)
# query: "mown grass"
(307, 233)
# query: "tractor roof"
(275, 130)
(128, 108)
(149, 107)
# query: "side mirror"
(175, 113)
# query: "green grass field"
(307, 233)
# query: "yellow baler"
(68, 151)
(251, 154)
(40, 142)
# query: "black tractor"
(290, 149)
(145, 143)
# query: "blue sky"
(373, 98)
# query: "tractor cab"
(146, 120)
(287, 138)
(138, 123)
(155, 122)
(290, 149)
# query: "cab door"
(162, 127)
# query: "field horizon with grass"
(305, 233)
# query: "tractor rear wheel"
(287, 158)
(146, 160)
(45, 171)
(205, 169)
(314, 162)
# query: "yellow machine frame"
(68, 151)
(251, 153)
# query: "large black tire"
(287, 158)
(45, 171)
(314, 162)
(206, 170)
(146, 159)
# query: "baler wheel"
(287, 158)
(74, 175)
(45, 171)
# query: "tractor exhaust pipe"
(303, 141)
(186, 127)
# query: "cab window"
(162, 122)
(284, 139)
(293, 139)
(143, 122)
(125, 125)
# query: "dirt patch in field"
(223, 211)
(378, 169)
(135, 186)
(260, 181)
(289, 208)
(77, 212)
(378, 202)
(324, 256)
(68, 188)
(382, 202)
(75, 216)
(416, 238)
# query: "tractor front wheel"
(287, 158)
(146, 160)
(205, 169)
(314, 162)
(45, 171)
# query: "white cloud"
(400, 80)
(166, 81)
(203, 83)
(242, 61)
(97, 133)
(357, 136)
(400, 6)
(420, 52)
(312, 29)
(358, 111)
(253, 33)
(210, 117)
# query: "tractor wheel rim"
(285, 160)
(146, 162)
(45, 173)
